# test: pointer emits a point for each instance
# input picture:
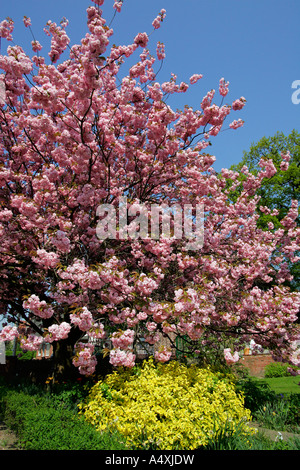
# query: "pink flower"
(8, 333)
(268, 166)
(236, 124)
(152, 337)
(163, 355)
(26, 21)
(59, 41)
(38, 307)
(123, 339)
(36, 46)
(223, 87)
(83, 320)
(84, 359)
(146, 285)
(5, 215)
(141, 39)
(6, 29)
(151, 326)
(229, 358)
(58, 332)
(194, 78)
(183, 87)
(142, 316)
(98, 331)
(46, 259)
(32, 342)
(286, 156)
(155, 92)
(160, 51)
(158, 20)
(119, 358)
(284, 166)
(118, 6)
(61, 241)
(238, 104)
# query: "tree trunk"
(63, 352)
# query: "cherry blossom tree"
(76, 136)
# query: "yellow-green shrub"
(171, 405)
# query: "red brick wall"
(256, 363)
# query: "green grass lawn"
(284, 384)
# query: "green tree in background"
(278, 191)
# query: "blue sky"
(253, 44)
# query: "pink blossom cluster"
(286, 156)
(46, 259)
(84, 358)
(239, 104)
(193, 328)
(160, 51)
(223, 87)
(141, 39)
(59, 40)
(195, 77)
(57, 332)
(172, 87)
(99, 35)
(122, 354)
(6, 29)
(152, 337)
(130, 316)
(119, 358)
(151, 326)
(118, 6)
(229, 357)
(31, 342)
(36, 46)
(26, 21)
(83, 319)
(146, 285)
(8, 333)
(268, 167)
(143, 70)
(186, 301)
(160, 312)
(159, 19)
(61, 241)
(284, 166)
(98, 2)
(109, 277)
(123, 339)
(163, 355)
(236, 124)
(97, 331)
(38, 307)
(295, 356)
(17, 63)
